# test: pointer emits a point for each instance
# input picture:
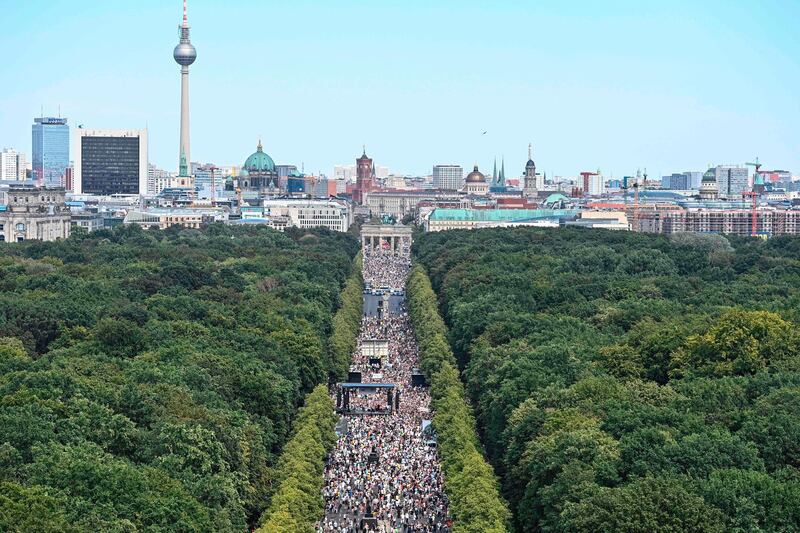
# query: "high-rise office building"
(50, 151)
(732, 181)
(110, 162)
(448, 177)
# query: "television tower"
(184, 54)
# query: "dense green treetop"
(630, 382)
(149, 379)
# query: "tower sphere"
(185, 54)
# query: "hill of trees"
(628, 382)
(148, 380)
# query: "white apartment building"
(12, 165)
(732, 181)
(448, 177)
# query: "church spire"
(502, 181)
(530, 151)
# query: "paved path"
(381, 466)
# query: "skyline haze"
(619, 87)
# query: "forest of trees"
(629, 382)
(149, 379)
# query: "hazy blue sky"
(625, 84)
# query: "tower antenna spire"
(530, 151)
(185, 15)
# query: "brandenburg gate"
(386, 239)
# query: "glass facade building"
(110, 165)
(50, 150)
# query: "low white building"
(305, 213)
(163, 218)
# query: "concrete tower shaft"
(184, 54)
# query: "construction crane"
(213, 169)
(636, 206)
(758, 176)
(753, 195)
(757, 165)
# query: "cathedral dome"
(259, 161)
(710, 176)
(475, 176)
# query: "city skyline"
(420, 85)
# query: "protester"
(381, 467)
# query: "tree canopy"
(149, 379)
(629, 382)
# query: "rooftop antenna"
(185, 16)
(530, 151)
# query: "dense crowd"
(383, 475)
(386, 271)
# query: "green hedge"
(346, 323)
(470, 483)
(297, 503)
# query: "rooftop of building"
(498, 215)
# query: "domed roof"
(184, 54)
(259, 161)
(710, 176)
(530, 164)
(475, 176)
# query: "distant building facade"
(50, 151)
(769, 222)
(731, 181)
(31, 213)
(683, 181)
(365, 176)
(157, 180)
(88, 220)
(448, 177)
(302, 213)
(475, 183)
(398, 203)
(110, 162)
(259, 173)
(530, 185)
(164, 218)
(13, 165)
(450, 219)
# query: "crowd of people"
(384, 474)
(381, 270)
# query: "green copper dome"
(259, 161)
